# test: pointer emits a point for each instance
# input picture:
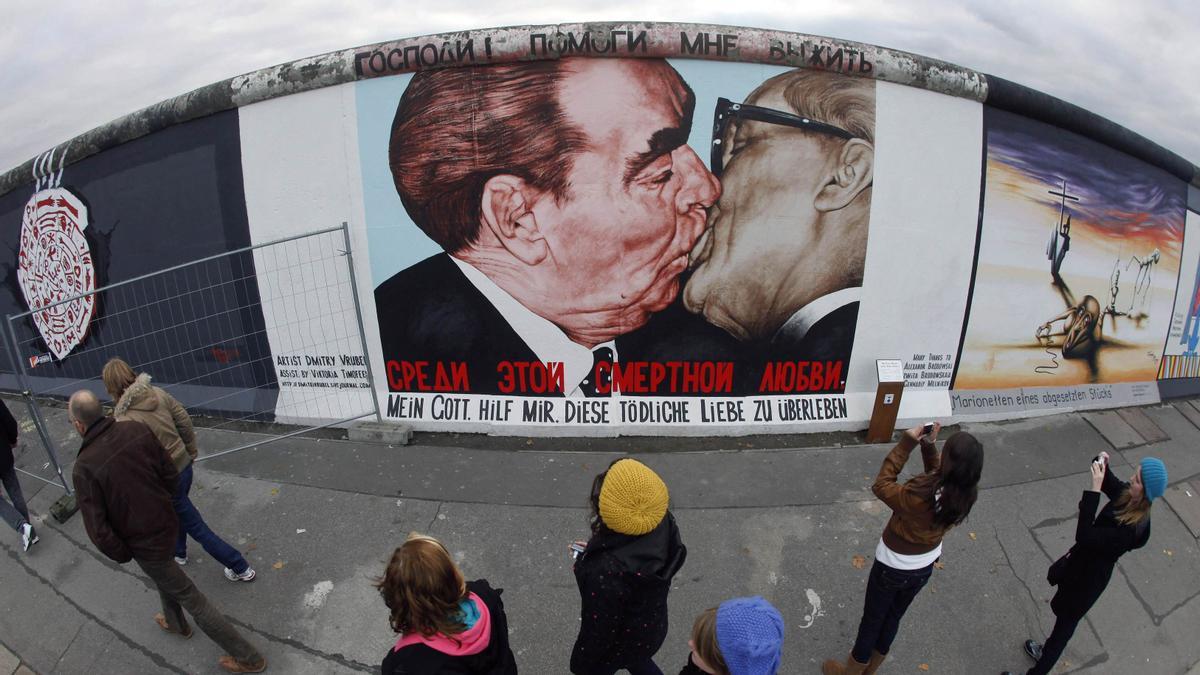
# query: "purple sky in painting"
(1118, 195)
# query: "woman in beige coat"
(136, 399)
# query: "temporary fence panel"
(251, 335)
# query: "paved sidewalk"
(318, 519)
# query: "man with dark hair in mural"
(566, 200)
(781, 262)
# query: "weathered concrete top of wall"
(641, 40)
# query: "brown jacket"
(166, 417)
(123, 482)
(911, 530)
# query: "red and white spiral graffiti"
(55, 263)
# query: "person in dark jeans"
(134, 398)
(1100, 540)
(15, 514)
(923, 510)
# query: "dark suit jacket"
(829, 339)
(432, 312)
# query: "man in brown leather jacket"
(124, 479)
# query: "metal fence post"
(362, 331)
(34, 409)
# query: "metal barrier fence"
(221, 335)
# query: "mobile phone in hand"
(927, 429)
(577, 549)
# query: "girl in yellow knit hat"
(625, 571)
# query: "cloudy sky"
(72, 65)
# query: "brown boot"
(877, 660)
(851, 667)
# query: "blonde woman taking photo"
(134, 398)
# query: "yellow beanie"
(633, 499)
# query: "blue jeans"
(15, 514)
(191, 522)
(889, 593)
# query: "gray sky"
(69, 66)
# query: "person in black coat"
(447, 626)
(15, 514)
(625, 572)
(1100, 540)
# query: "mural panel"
(652, 230)
(1079, 251)
(1181, 355)
(162, 200)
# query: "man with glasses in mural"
(781, 262)
(566, 200)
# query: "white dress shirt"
(797, 326)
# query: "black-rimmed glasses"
(728, 110)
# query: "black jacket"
(1099, 542)
(8, 438)
(124, 480)
(496, 659)
(623, 584)
(691, 668)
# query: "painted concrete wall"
(720, 232)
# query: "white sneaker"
(28, 536)
(181, 561)
(248, 575)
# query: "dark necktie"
(603, 355)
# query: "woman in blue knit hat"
(1083, 573)
(744, 636)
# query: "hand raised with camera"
(1097, 474)
(915, 432)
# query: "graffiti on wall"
(1181, 354)
(589, 251)
(1079, 251)
(165, 199)
(54, 262)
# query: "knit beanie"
(633, 499)
(750, 636)
(1154, 477)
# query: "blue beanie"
(1154, 477)
(750, 636)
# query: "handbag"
(1058, 570)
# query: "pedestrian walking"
(446, 625)
(624, 572)
(123, 482)
(923, 510)
(742, 636)
(1083, 572)
(15, 514)
(134, 398)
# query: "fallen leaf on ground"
(1168, 551)
(278, 565)
(923, 666)
(858, 561)
(274, 491)
(251, 547)
(939, 565)
(971, 535)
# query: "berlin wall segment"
(696, 292)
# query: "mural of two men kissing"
(578, 226)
